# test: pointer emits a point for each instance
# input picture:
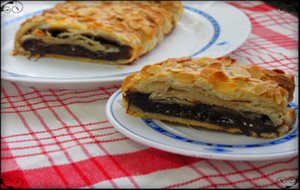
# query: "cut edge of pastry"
(68, 58)
(280, 131)
(19, 49)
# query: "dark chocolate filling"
(224, 117)
(38, 47)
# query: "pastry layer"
(116, 32)
(246, 122)
(38, 47)
(135, 111)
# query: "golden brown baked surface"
(114, 32)
(221, 85)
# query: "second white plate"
(206, 29)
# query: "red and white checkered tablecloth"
(62, 139)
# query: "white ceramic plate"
(206, 29)
(197, 142)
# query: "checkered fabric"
(62, 139)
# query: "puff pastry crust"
(112, 32)
(218, 94)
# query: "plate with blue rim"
(205, 29)
(198, 142)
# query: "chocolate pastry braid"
(112, 32)
(217, 94)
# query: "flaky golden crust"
(220, 82)
(140, 25)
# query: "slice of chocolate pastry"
(217, 94)
(112, 32)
